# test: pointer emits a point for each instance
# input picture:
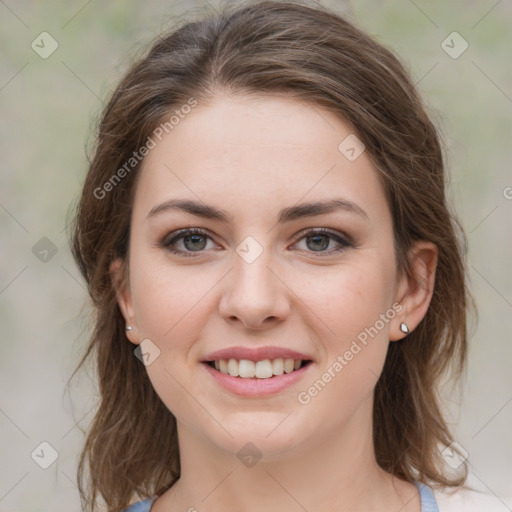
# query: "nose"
(254, 294)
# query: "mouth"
(256, 370)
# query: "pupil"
(195, 237)
(324, 245)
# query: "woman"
(279, 282)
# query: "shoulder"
(140, 506)
(464, 499)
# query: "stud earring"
(129, 328)
(404, 328)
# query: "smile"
(264, 369)
(257, 387)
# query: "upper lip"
(256, 354)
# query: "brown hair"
(314, 55)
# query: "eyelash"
(167, 242)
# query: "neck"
(338, 472)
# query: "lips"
(257, 372)
(257, 387)
(256, 354)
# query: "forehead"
(256, 152)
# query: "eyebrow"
(288, 214)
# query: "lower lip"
(257, 387)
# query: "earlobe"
(118, 275)
(415, 290)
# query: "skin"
(253, 156)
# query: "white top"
(460, 499)
(466, 500)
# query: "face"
(270, 280)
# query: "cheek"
(353, 298)
(355, 309)
(172, 307)
(344, 311)
(169, 299)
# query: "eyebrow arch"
(288, 214)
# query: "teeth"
(263, 369)
(288, 365)
(278, 366)
(260, 369)
(233, 367)
(246, 368)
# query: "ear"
(120, 281)
(414, 292)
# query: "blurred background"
(58, 62)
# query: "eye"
(317, 240)
(195, 240)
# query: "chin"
(266, 436)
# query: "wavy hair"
(314, 55)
